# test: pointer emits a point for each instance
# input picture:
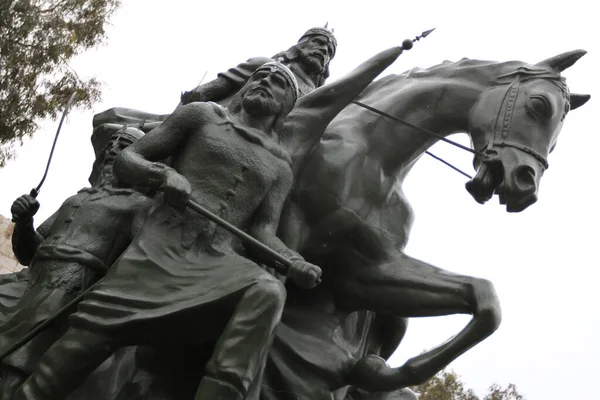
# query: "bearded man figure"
(308, 59)
(181, 280)
(67, 253)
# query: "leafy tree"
(37, 40)
(444, 386)
(447, 385)
(495, 392)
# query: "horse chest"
(355, 179)
(344, 187)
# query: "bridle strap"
(500, 137)
(540, 158)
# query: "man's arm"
(25, 239)
(215, 90)
(311, 115)
(137, 164)
(226, 84)
(264, 229)
(266, 218)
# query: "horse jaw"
(513, 176)
(486, 182)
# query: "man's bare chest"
(221, 152)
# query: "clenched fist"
(24, 208)
(177, 190)
(304, 274)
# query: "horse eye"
(540, 106)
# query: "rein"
(427, 131)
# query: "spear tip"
(426, 33)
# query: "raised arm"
(25, 239)
(264, 229)
(137, 164)
(306, 123)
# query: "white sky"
(544, 261)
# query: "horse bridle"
(498, 139)
(501, 130)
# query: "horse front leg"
(407, 287)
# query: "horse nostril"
(525, 177)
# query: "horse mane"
(483, 71)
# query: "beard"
(312, 63)
(257, 103)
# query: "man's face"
(267, 91)
(315, 54)
(117, 143)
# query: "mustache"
(261, 89)
(319, 55)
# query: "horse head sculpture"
(529, 105)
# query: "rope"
(438, 136)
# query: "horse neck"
(438, 105)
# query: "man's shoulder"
(284, 167)
(201, 111)
(257, 61)
(196, 107)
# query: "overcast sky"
(543, 261)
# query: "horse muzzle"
(512, 174)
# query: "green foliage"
(37, 39)
(447, 386)
(444, 386)
(495, 392)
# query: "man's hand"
(304, 274)
(24, 208)
(177, 190)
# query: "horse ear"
(577, 100)
(563, 61)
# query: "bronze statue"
(346, 212)
(68, 252)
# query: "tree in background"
(444, 386)
(495, 392)
(447, 385)
(37, 40)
